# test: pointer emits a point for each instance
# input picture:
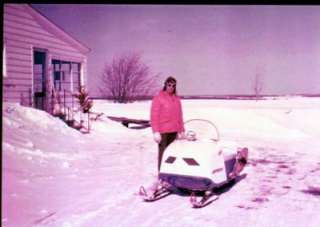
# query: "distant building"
(39, 59)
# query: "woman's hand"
(181, 136)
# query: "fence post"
(52, 101)
(64, 101)
(72, 105)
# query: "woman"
(166, 117)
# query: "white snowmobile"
(199, 163)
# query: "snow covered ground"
(55, 176)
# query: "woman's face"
(170, 87)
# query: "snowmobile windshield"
(200, 129)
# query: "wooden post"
(49, 83)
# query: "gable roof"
(56, 30)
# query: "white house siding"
(22, 32)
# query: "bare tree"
(126, 78)
(257, 84)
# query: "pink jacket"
(166, 113)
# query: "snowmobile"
(198, 163)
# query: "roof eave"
(47, 23)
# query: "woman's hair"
(170, 79)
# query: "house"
(40, 60)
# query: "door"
(39, 78)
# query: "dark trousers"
(166, 139)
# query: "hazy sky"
(210, 49)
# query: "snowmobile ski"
(156, 195)
(205, 200)
(241, 161)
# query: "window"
(75, 73)
(66, 75)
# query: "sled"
(131, 123)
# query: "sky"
(210, 49)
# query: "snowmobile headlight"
(191, 161)
(170, 159)
(191, 135)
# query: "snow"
(54, 175)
